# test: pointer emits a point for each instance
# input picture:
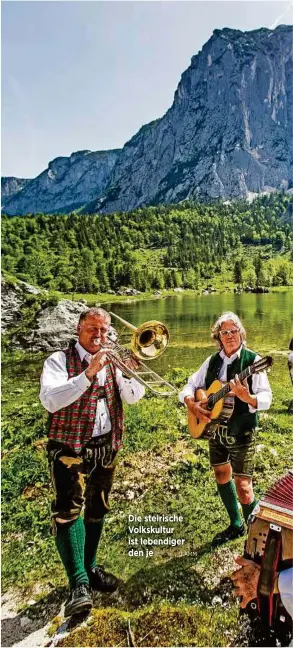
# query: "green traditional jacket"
(242, 419)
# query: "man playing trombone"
(83, 391)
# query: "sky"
(88, 74)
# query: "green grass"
(161, 471)
(156, 625)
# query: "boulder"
(56, 325)
(48, 329)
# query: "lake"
(266, 317)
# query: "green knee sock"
(70, 544)
(228, 496)
(248, 508)
(93, 532)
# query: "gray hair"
(94, 311)
(226, 317)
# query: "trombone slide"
(130, 326)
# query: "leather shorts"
(238, 450)
(81, 480)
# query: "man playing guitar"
(232, 445)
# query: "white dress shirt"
(57, 390)
(260, 384)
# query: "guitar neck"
(226, 388)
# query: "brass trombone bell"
(149, 340)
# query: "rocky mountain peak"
(228, 134)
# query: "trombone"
(149, 341)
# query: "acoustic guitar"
(219, 404)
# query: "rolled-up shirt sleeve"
(261, 389)
(196, 381)
(57, 390)
(130, 389)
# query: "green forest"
(185, 245)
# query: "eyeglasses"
(226, 332)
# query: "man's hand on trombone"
(98, 361)
(132, 362)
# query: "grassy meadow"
(181, 595)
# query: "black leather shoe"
(228, 534)
(79, 600)
(101, 580)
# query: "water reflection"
(266, 317)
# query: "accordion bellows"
(275, 508)
(280, 495)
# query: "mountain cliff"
(10, 186)
(228, 134)
(67, 184)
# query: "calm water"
(267, 319)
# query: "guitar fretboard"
(214, 398)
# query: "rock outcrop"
(45, 328)
(55, 326)
(11, 303)
(10, 186)
(228, 134)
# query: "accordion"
(270, 544)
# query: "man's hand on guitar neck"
(241, 390)
(198, 408)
